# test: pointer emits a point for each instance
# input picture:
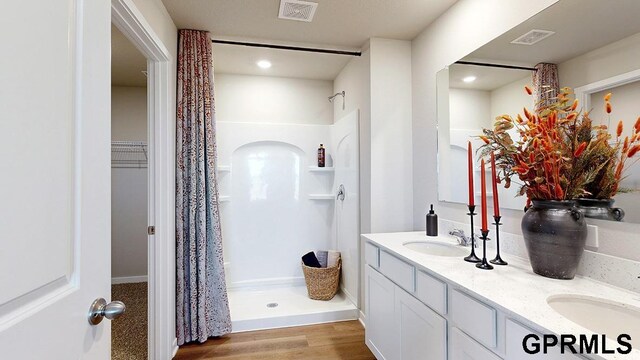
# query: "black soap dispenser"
(432, 223)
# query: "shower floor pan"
(284, 307)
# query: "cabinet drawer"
(515, 334)
(475, 318)
(432, 292)
(462, 347)
(397, 270)
(371, 255)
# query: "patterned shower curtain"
(545, 84)
(201, 294)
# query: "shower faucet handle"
(341, 193)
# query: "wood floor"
(342, 340)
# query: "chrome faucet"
(463, 240)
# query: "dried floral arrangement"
(559, 154)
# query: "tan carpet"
(129, 332)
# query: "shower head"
(332, 97)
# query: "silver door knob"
(100, 310)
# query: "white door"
(346, 151)
(54, 178)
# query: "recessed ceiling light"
(469, 79)
(264, 64)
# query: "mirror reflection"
(590, 46)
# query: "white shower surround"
(276, 205)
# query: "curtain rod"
(293, 48)
(496, 65)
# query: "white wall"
(466, 26)
(355, 80)
(391, 151)
(268, 99)
(379, 84)
(128, 113)
(469, 109)
(128, 186)
(610, 60)
(510, 98)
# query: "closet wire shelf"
(129, 154)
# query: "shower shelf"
(320, 169)
(321, 196)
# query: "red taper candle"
(494, 183)
(470, 160)
(483, 194)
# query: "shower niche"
(276, 205)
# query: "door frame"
(162, 342)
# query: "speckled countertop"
(513, 289)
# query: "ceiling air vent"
(532, 37)
(297, 10)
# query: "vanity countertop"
(514, 289)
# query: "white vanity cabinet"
(463, 347)
(412, 314)
(381, 336)
(399, 326)
(422, 332)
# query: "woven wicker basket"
(322, 283)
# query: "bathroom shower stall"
(276, 205)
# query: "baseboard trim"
(129, 279)
(175, 347)
(363, 319)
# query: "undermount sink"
(436, 248)
(599, 315)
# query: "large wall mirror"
(595, 45)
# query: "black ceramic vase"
(555, 233)
(600, 209)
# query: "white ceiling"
(580, 26)
(337, 24)
(347, 23)
(232, 59)
(487, 78)
(127, 63)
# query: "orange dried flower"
(572, 116)
(636, 127)
(634, 150)
(607, 97)
(580, 149)
(575, 105)
(607, 107)
(620, 128)
(527, 114)
(485, 139)
(625, 147)
(528, 90)
(559, 192)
